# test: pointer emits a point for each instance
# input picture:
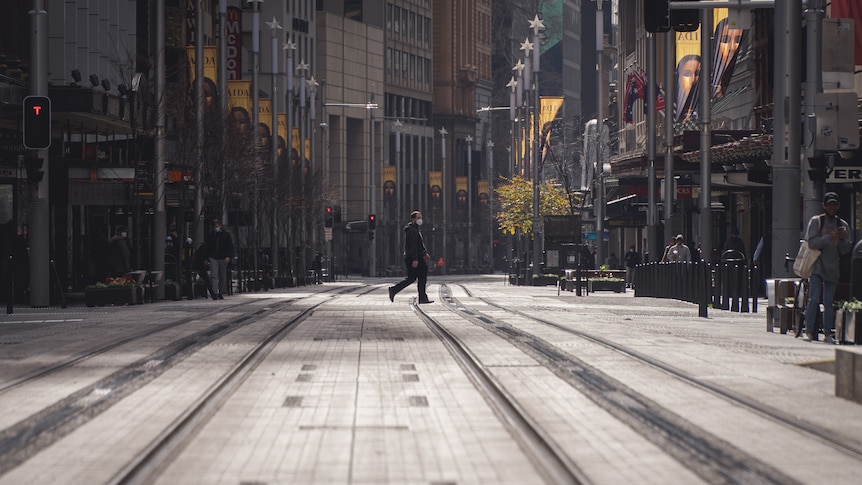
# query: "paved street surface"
(333, 384)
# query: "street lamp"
(443, 193)
(273, 250)
(399, 169)
(491, 204)
(469, 244)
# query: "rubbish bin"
(856, 272)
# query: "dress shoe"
(220, 297)
(391, 294)
(215, 297)
(425, 302)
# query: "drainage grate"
(418, 401)
(410, 377)
(303, 378)
(293, 402)
(408, 366)
(309, 367)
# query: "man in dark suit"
(415, 259)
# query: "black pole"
(10, 297)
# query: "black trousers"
(418, 274)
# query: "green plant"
(604, 268)
(789, 301)
(607, 278)
(853, 305)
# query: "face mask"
(419, 222)
(124, 234)
(218, 229)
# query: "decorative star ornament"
(513, 83)
(490, 144)
(302, 66)
(537, 25)
(273, 24)
(443, 132)
(312, 83)
(519, 66)
(289, 46)
(527, 46)
(469, 139)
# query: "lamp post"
(443, 193)
(399, 172)
(518, 89)
(255, 120)
(302, 70)
(289, 47)
(491, 204)
(312, 118)
(537, 26)
(273, 250)
(600, 125)
(469, 244)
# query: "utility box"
(836, 125)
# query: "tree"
(515, 203)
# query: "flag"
(642, 87)
(632, 95)
(851, 9)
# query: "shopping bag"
(805, 259)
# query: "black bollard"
(10, 297)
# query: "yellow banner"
(435, 185)
(461, 192)
(264, 113)
(282, 127)
(389, 179)
(210, 64)
(239, 95)
(483, 187)
(295, 140)
(308, 148)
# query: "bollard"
(856, 271)
(703, 301)
(10, 301)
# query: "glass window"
(412, 26)
(412, 67)
(396, 18)
(389, 17)
(404, 62)
(419, 30)
(427, 30)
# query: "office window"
(412, 27)
(427, 31)
(412, 67)
(396, 19)
(419, 30)
(404, 66)
(389, 17)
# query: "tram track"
(850, 448)
(45, 427)
(550, 460)
(705, 454)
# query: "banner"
(461, 193)
(210, 64)
(550, 106)
(239, 103)
(687, 74)
(726, 42)
(389, 179)
(483, 188)
(435, 187)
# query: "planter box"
(172, 292)
(121, 295)
(545, 281)
(848, 327)
(615, 286)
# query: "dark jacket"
(414, 246)
(219, 245)
(120, 257)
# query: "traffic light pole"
(39, 234)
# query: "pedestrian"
(219, 248)
(632, 259)
(734, 242)
(613, 262)
(119, 253)
(202, 267)
(317, 266)
(678, 252)
(830, 234)
(415, 259)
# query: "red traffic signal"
(327, 217)
(372, 222)
(37, 122)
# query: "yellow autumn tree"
(515, 203)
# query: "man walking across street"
(219, 247)
(415, 259)
(828, 233)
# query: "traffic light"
(687, 20)
(656, 16)
(327, 216)
(37, 122)
(372, 222)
